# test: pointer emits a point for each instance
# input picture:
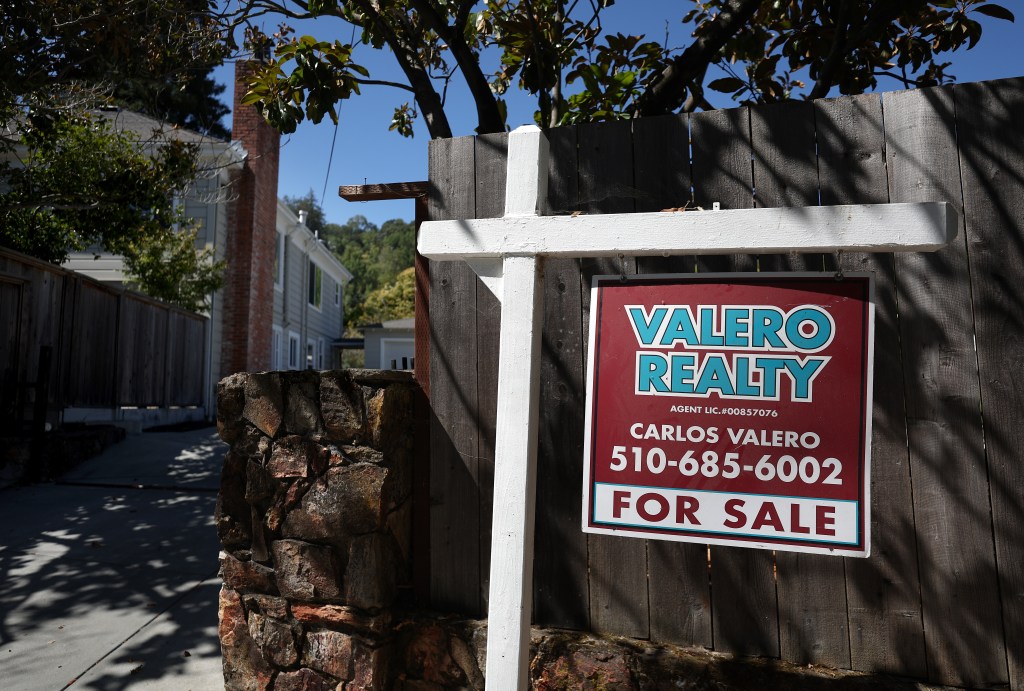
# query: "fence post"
(39, 407)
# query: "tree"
(167, 266)
(375, 256)
(193, 104)
(59, 56)
(315, 219)
(69, 181)
(80, 185)
(393, 300)
(550, 48)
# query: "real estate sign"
(731, 409)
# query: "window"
(320, 354)
(276, 362)
(293, 350)
(310, 354)
(316, 284)
(279, 262)
(337, 294)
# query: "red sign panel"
(731, 409)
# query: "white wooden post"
(507, 254)
(515, 476)
(516, 280)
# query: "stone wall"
(314, 523)
(434, 653)
(314, 517)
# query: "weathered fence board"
(94, 336)
(490, 153)
(721, 170)
(990, 129)
(743, 597)
(104, 354)
(811, 588)
(454, 493)
(680, 595)
(883, 592)
(561, 591)
(10, 328)
(618, 568)
(141, 379)
(959, 588)
(942, 595)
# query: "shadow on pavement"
(107, 585)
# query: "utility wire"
(334, 140)
(330, 158)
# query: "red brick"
(252, 234)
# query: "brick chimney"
(248, 303)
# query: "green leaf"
(997, 11)
(251, 97)
(727, 85)
(318, 7)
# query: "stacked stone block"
(314, 521)
(314, 518)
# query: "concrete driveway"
(108, 577)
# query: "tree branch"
(668, 89)
(462, 15)
(695, 96)
(382, 82)
(825, 79)
(426, 96)
(489, 118)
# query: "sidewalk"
(108, 578)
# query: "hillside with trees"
(380, 259)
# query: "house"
(309, 284)
(390, 344)
(281, 306)
(206, 201)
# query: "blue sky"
(365, 151)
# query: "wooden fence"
(942, 596)
(110, 347)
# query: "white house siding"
(108, 268)
(202, 207)
(292, 312)
(217, 234)
(398, 334)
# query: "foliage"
(394, 300)
(167, 266)
(193, 105)
(547, 47)
(375, 256)
(59, 56)
(82, 185)
(613, 76)
(68, 181)
(323, 75)
(315, 219)
(848, 45)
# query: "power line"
(330, 159)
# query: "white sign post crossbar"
(507, 254)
